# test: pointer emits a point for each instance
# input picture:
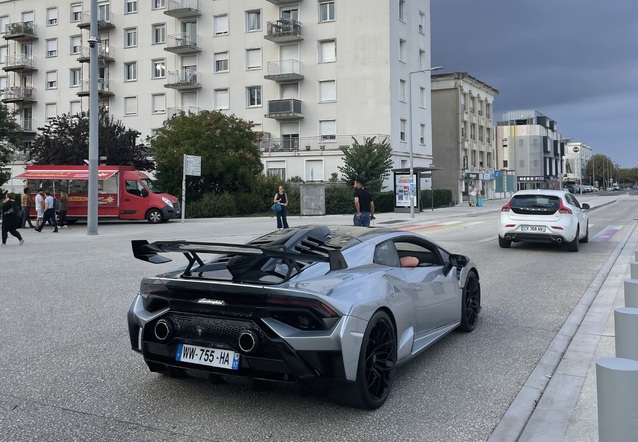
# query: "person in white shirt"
(49, 213)
(39, 207)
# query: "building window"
(472, 131)
(422, 134)
(130, 37)
(276, 168)
(422, 97)
(130, 71)
(402, 10)
(221, 62)
(402, 49)
(328, 130)
(4, 21)
(50, 111)
(130, 6)
(76, 44)
(403, 123)
(52, 16)
(327, 51)
(76, 12)
(326, 11)
(423, 63)
(51, 80)
(221, 97)
(421, 23)
(4, 53)
(253, 21)
(75, 77)
(52, 48)
(220, 24)
(130, 105)
(159, 33)
(253, 96)
(158, 102)
(253, 59)
(402, 89)
(158, 68)
(327, 91)
(75, 107)
(158, 4)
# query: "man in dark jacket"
(10, 219)
(363, 205)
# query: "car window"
(427, 254)
(571, 199)
(386, 255)
(535, 202)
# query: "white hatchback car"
(541, 215)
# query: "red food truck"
(123, 192)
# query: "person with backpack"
(49, 213)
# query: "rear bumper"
(536, 237)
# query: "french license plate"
(213, 357)
(532, 228)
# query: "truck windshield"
(152, 185)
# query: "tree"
(65, 140)
(227, 146)
(369, 162)
(10, 137)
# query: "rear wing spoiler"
(149, 252)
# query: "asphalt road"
(67, 371)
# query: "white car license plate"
(213, 357)
(532, 228)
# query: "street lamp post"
(412, 183)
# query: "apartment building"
(530, 148)
(309, 74)
(577, 155)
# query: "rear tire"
(574, 245)
(471, 302)
(504, 243)
(586, 237)
(377, 364)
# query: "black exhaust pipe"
(162, 330)
(248, 341)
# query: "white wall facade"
(360, 92)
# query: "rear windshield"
(535, 202)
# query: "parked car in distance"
(572, 188)
(314, 305)
(551, 216)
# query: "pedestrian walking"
(64, 199)
(281, 198)
(10, 219)
(39, 207)
(49, 213)
(363, 205)
(26, 202)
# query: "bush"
(339, 199)
(212, 205)
(384, 202)
(442, 198)
(250, 203)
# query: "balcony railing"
(188, 110)
(20, 62)
(284, 30)
(22, 31)
(18, 94)
(102, 88)
(313, 144)
(286, 109)
(183, 8)
(104, 54)
(26, 124)
(182, 43)
(284, 2)
(104, 20)
(284, 70)
(184, 79)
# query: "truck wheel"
(154, 216)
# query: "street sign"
(193, 165)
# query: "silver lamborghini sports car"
(313, 305)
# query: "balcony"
(27, 125)
(24, 32)
(19, 94)
(104, 55)
(104, 20)
(284, 30)
(284, 70)
(284, 2)
(183, 43)
(286, 109)
(183, 8)
(102, 89)
(183, 80)
(311, 145)
(187, 110)
(20, 62)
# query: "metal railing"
(284, 27)
(102, 85)
(27, 61)
(284, 106)
(188, 110)
(319, 143)
(183, 39)
(284, 67)
(183, 76)
(20, 28)
(19, 93)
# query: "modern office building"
(309, 74)
(463, 134)
(529, 150)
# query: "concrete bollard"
(633, 266)
(631, 292)
(626, 325)
(617, 390)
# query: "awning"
(64, 174)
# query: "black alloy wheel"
(377, 363)
(471, 302)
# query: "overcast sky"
(575, 61)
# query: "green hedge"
(442, 198)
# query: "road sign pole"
(184, 190)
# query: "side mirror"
(144, 193)
(458, 261)
(585, 206)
